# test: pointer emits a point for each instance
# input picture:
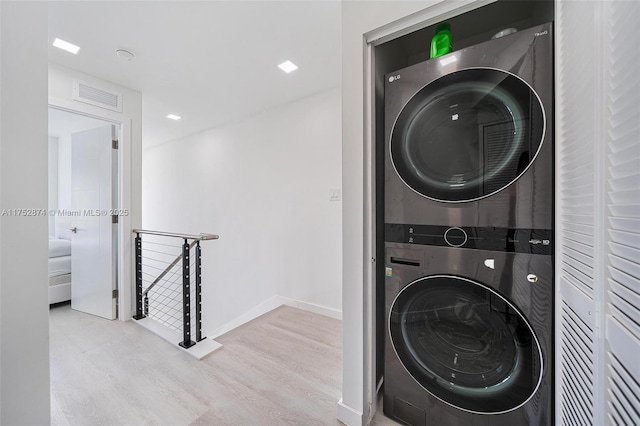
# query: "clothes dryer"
(469, 136)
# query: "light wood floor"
(283, 368)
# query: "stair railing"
(157, 259)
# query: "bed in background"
(59, 270)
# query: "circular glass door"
(467, 135)
(465, 344)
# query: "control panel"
(515, 240)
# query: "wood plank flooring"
(282, 368)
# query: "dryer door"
(467, 135)
(465, 344)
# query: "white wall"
(262, 184)
(24, 313)
(359, 18)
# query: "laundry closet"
(464, 153)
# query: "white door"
(93, 245)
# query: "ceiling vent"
(104, 98)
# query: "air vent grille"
(90, 94)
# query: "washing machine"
(469, 337)
(468, 136)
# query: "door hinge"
(115, 294)
(114, 218)
(114, 144)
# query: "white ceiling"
(210, 62)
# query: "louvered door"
(576, 187)
(598, 213)
(623, 214)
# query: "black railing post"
(186, 298)
(139, 308)
(198, 272)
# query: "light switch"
(335, 194)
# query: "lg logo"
(394, 78)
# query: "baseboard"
(310, 307)
(269, 305)
(348, 415)
(264, 307)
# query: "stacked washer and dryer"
(469, 292)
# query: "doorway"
(83, 212)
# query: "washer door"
(467, 135)
(465, 344)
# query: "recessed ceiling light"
(288, 66)
(65, 45)
(174, 117)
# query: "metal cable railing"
(168, 278)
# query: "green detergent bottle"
(441, 42)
